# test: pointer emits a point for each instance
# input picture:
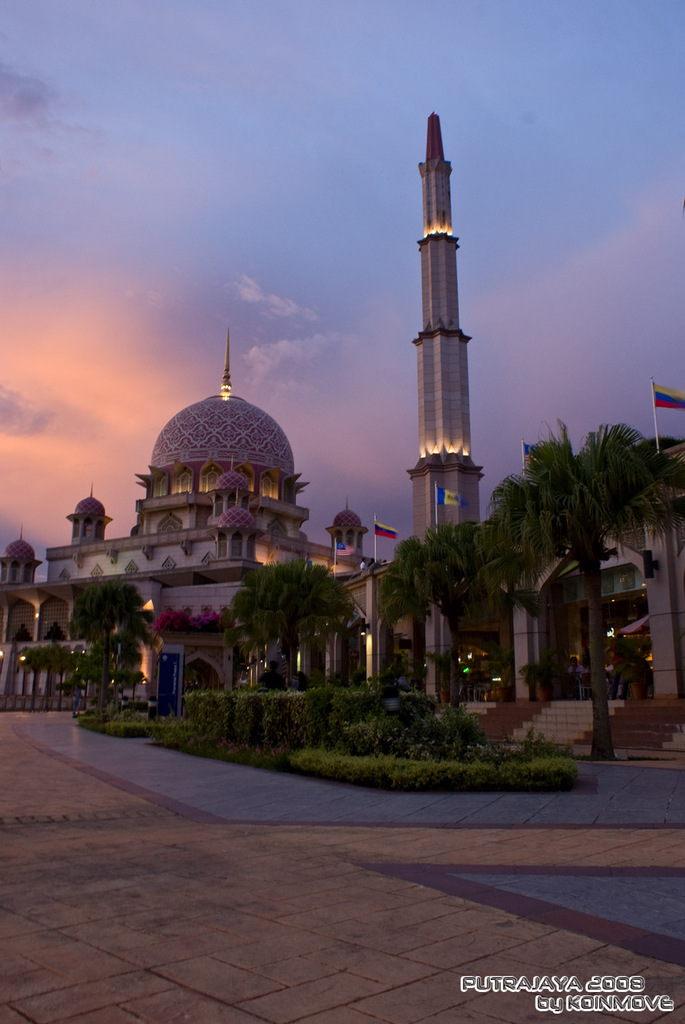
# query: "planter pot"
(505, 693)
(638, 690)
(444, 696)
(544, 692)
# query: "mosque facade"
(222, 497)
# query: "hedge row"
(387, 772)
(322, 716)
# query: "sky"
(169, 169)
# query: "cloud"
(273, 305)
(18, 416)
(24, 99)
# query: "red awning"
(641, 626)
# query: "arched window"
(218, 506)
(249, 553)
(237, 545)
(222, 546)
(183, 480)
(248, 472)
(160, 485)
(87, 529)
(14, 572)
(268, 485)
(209, 476)
(27, 575)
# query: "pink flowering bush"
(175, 621)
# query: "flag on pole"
(384, 531)
(666, 398)
(446, 497)
(344, 549)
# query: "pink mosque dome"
(231, 481)
(236, 517)
(226, 430)
(347, 518)
(21, 550)
(89, 506)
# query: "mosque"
(222, 497)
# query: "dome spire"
(225, 389)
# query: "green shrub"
(388, 772)
(319, 701)
(209, 711)
(122, 728)
(284, 721)
(247, 719)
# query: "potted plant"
(631, 653)
(540, 675)
(441, 660)
(501, 667)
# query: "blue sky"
(168, 169)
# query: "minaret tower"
(444, 424)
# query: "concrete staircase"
(642, 725)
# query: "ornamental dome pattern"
(224, 430)
(231, 481)
(89, 507)
(236, 517)
(21, 550)
(347, 518)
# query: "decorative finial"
(225, 389)
(91, 490)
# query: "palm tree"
(450, 569)
(293, 603)
(102, 610)
(580, 506)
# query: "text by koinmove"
(551, 983)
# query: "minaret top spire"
(434, 150)
(225, 390)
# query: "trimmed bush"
(125, 730)
(209, 711)
(387, 772)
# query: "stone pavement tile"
(295, 970)
(79, 962)
(181, 1005)
(382, 967)
(301, 1001)
(463, 949)
(552, 952)
(342, 1015)
(16, 924)
(408, 1004)
(107, 1015)
(410, 915)
(20, 977)
(269, 950)
(10, 1016)
(218, 979)
(112, 937)
(361, 933)
(68, 1002)
(169, 950)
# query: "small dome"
(21, 550)
(231, 481)
(347, 518)
(236, 517)
(90, 507)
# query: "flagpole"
(375, 538)
(436, 504)
(523, 456)
(656, 429)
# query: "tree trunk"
(104, 683)
(456, 689)
(602, 746)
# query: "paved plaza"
(143, 885)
